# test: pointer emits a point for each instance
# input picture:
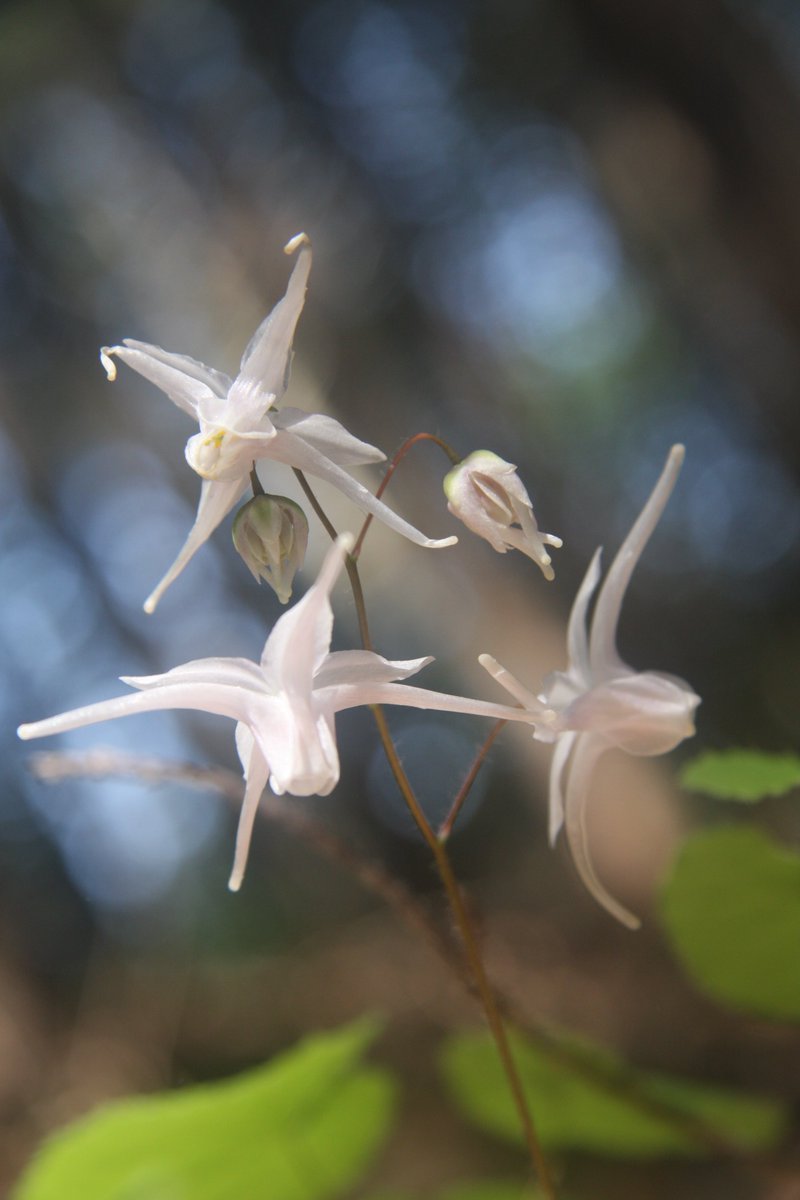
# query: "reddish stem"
(394, 463)
(446, 827)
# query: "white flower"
(285, 706)
(599, 702)
(485, 492)
(239, 422)
(271, 535)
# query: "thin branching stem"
(394, 463)
(455, 896)
(446, 827)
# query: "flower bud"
(271, 535)
(486, 493)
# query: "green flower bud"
(271, 535)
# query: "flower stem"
(255, 482)
(396, 459)
(438, 849)
(446, 827)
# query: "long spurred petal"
(602, 644)
(256, 773)
(217, 498)
(561, 753)
(577, 637)
(187, 382)
(348, 695)
(510, 683)
(586, 752)
(264, 373)
(357, 666)
(222, 699)
(328, 436)
(300, 640)
(287, 448)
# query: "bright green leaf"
(303, 1127)
(487, 1189)
(746, 775)
(732, 910)
(572, 1110)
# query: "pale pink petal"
(301, 638)
(223, 699)
(349, 695)
(561, 753)
(584, 758)
(256, 773)
(577, 638)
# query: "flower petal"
(602, 644)
(187, 382)
(641, 712)
(256, 773)
(577, 637)
(348, 695)
(561, 753)
(359, 666)
(236, 672)
(217, 498)
(264, 373)
(292, 450)
(586, 752)
(327, 436)
(300, 640)
(200, 695)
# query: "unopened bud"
(485, 492)
(271, 535)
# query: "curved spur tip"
(299, 239)
(109, 366)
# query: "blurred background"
(564, 230)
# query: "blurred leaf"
(732, 910)
(746, 775)
(303, 1127)
(572, 1110)
(498, 1189)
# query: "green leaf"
(487, 1189)
(572, 1109)
(731, 908)
(303, 1127)
(745, 775)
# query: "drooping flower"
(285, 705)
(240, 422)
(271, 535)
(486, 493)
(599, 702)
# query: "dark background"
(568, 232)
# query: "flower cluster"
(285, 705)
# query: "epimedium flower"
(599, 702)
(240, 422)
(285, 706)
(486, 493)
(271, 536)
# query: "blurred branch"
(617, 1079)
